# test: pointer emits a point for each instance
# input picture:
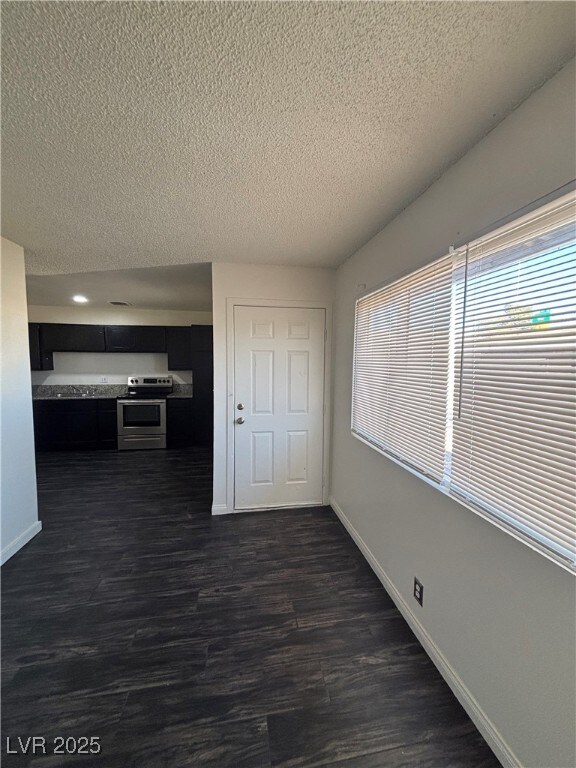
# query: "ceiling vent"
(120, 303)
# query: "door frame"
(231, 303)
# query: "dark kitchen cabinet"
(69, 425)
(201, 338)
(179, 349)
(135, 338)
(149, 338)
(190, 422)
(82, 429)
(183, 341)
(203, 400)
(39, 359)
(50, 426)
(107, 424)
(119, 338)
(179, 423)
(34, 343)
(61, 425)
(180, 342)
(202, 418)
(62, 337)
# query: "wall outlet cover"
(419, 591)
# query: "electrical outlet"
(103, 379)
(418, 591)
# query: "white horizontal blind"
(466, 371)
(401, 367)
(514, 413)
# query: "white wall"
(18, 499)
(258, 282)
(116, 316)
(500, 616)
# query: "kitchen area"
(121, 387)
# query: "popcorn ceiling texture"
(150, 134)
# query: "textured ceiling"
(147, 134)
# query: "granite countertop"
(68, 396)
(97, 392)
(173, 396)
(179, 396)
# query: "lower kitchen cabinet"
(179, 423)
(107, 424)
(91, 424)
(203, 419)
(189, 421)
(75, 425)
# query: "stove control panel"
(164, 380)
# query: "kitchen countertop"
(66, 396)
(98, 392)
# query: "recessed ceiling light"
(79, 299)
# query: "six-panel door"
(279, 394)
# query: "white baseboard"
(219, 509)
(19, 541)
(462, 693)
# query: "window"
(401, 367)
(465, 372)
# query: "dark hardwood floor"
(184, 640)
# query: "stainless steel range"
(141, 414)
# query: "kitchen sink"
(74, 396)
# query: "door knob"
(240, 406)
(240, 420)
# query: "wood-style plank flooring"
(182, 640)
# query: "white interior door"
(278, 406)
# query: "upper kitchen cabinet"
(135, 338)
(201, 338)
(34, 343)
(39, 360)
(182, 342)
(61, 337)
(179, 349)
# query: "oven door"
(141, 417)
